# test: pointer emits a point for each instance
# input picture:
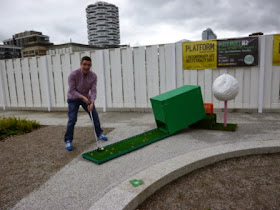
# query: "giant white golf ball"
(225, 87)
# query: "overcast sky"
(142, 22)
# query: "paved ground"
(86, 185)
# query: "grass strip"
(125, 146)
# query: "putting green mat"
(122, 147)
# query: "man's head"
(85, 64)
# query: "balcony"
(100, 11)
(91, 21)
(92, 27)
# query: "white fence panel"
(85, 53)
(27, 83)
(11, 83)
(215, 75)
(116, 71)
(254, 87)
(97, 69)
(35, 81)
(239, 77)
(140, 78)
(162, 69)
(187, 77)
(44, 82)
(275, 87)
(19, 83)
(193, 77)
(170, 68)
(128, 77)
(200, 82)
(152, 72)
(5, 101)
(51, 79)
(208, 86)
(75, 61)
(58, 81)
(276, 91)
(268, 72)
(2, 89)
(66, 70)
(108, 77)
(179, 65)
(246, 86)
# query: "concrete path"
(85, 185)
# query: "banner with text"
(220, 53)
(200, 55)
(276, 49)
(238, 52)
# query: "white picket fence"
(128, 77)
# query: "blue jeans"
(73, 107)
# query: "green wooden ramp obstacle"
(173, 111)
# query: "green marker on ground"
(135, 182)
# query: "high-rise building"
(208, 34)
(103, 24)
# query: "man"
(82, 91)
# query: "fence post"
(101, 61)
(261, 77)
(2, 88)
(47, 84)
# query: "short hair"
(85, 58)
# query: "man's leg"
(96, 120)
(73, 107)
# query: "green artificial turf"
(220, 127)
(209, 123)
(127, 145)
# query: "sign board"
(200, 55)
(213, 54)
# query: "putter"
(97, 147)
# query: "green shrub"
(16, 126)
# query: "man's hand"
(86, 100)
(90, 107)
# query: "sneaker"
(102, 137)
(68, 145)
